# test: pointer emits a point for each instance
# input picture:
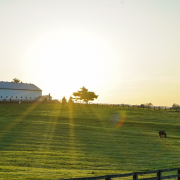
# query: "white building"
(45, 98)
(10, 91)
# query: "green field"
(51, 141)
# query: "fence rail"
(135, 175)
(166, 108)
(123, 106)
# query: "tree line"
(175, 105)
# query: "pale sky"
(126, 51)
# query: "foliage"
(17, 80)
(64, 101)
(85, 95)
(70, 100)
(142, 106)
(146, 104)
(175, 105)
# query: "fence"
(129, 106)
(166, 108)
(142, 106)
(123, 106)
(135, 175)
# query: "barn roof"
(18, 86)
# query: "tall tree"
(85, 95)
(64, 101)
(70, 101)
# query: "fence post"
(108, 178)
(135, 176)
(159, 108)
(179, 174)
(159, 175)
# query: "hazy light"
(69, 59)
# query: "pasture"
(51, 141)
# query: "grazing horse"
(162, 133)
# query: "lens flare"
(118, 119)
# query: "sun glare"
(70, 59)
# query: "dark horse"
(162, 133)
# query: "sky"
(126, 51)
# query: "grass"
(50, 141)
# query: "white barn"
(10, 91)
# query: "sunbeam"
(109, 133)
(51, 127)
(71, 118)
(16, 121)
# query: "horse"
(162, 134)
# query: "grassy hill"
(50, 141)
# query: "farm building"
(45, 98)
(10, 91)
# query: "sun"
(69, 60)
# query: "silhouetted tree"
(142, 106)
(64, 101)
(145, 105)
(70, 101)
(85, 95)
(175, 105)
(17, 80)
(148, 104)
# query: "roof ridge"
(22, 86)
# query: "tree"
(64, 101)
(148, 104)
(85, 95)
(145, 105)
(17, 80)
(70, 101)
(142, 106)
(175, 105)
